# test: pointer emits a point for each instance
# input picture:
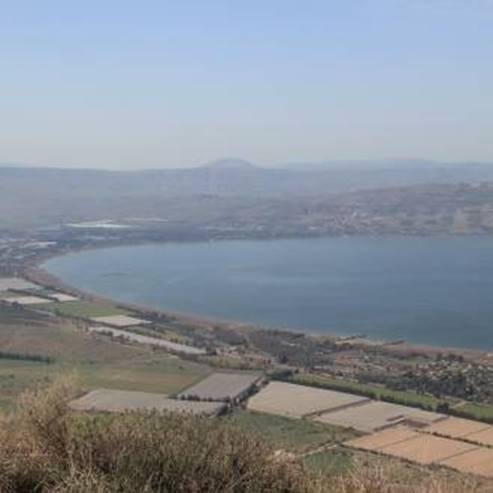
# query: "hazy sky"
(145, 83)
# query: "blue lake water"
(424, 290)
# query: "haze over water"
(424, 290)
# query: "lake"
(424, 290)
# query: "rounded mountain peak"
(230, 163)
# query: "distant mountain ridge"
(238, 177)
(32, 196)
(234, 163)
(381, 164)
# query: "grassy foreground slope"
(45, 448)
(297, 435)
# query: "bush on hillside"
(46, 448)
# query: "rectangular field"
(478, 461)
(287, 433)
(456, 427)
(119, 321)
(27, 300)
(222, 387)
(427, 449)
(7, 283)
(85, 309)
(62, 297)
(108, 400)
(375, 415)
(383, 438)
(478, 411)
(151, 341)
(411, 445)
(484, 437)
(297, 401)
(403, 397)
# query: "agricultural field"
(374, 415)
(85, 309)
(478, 461)
(408, 398)
(111, 400)
(481, 412)
(427, 449)
(95, 361)
(11, 314)
(8, 283)
(294, 435)
(119, 321)
(150, 341)
(149, 375)
(62, 297)
(411, 445)
(25, 299)
(153, 373)
(297, 401)
(483, 437)
(222, 387)
(383, 438)
(456, 427)
(163, 332)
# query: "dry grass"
(45, 448)
(384, 477)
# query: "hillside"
(45, 448)
(234, 194)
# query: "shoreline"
(34, 271)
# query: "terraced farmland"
(426, 449)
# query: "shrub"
(47, 449)
(44, 447)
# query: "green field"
(290, 434)
(163, 374)
(408, 398)
(157, 374)
(481, 412)
(301, 436)
(95, 361)
(83, 309)
(10, 314)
